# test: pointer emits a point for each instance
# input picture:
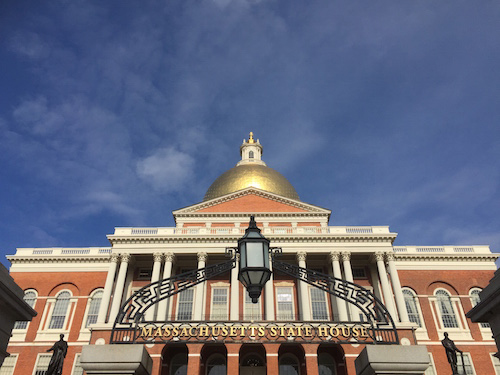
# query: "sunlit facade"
(80, 291)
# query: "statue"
(60, 349)
(451, 353)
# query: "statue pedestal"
(116, 359)
(392, 360)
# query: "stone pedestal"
(488, 310)
(13, 308)
(116, 359)
(392, 360)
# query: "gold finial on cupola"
(250, 139)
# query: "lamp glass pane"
(255, 254)
(243, 255)
(255, 277)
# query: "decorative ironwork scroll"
(133, 310)
(382, 325)
(131, 326)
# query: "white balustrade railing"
(441, 249)
(270, 230)
(64, 251)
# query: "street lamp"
(254, 270)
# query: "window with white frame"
(8, 365)
(411, 306)
(284, 303)
(252, 311)
(220, 303)
(42, 364)
(30, 299)
(467, 364)
(93, 309)
(496, 363)
(60, 310)
(319, 307)
(446, 310)
(185, 304)
(77, 367)
(475, 299)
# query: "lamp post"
(254, 270)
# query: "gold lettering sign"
(256, 331)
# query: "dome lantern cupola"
(251, 171)
(251, 152)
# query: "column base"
(392, 360)
(116, 359)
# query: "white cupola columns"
(251, 152)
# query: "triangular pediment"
(252, 200)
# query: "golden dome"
(248, 175)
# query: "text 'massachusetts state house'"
(212, 327)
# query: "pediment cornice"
(194, 209)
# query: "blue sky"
(115, 113)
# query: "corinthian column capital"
(125, 258)
(301, 256)
(346, 256)
(334, 256)
(389, 256)
(157, 257)
(202, 256)
(169, 257)
(378, 256)
(114, 258)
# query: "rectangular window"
(284, 303)
(42, 364)
(144, 274)
(252, 310)
(467, 363)
(77, 368)
(185, 305)
(8, 365)
(219, 303)
(318, 304)
(358, 273)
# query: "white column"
(200, 289)
(108, 288)
(346, 262)
(305, 311)
(167, 273)
(386, 290)
(396, 287)
(155, 276)
(269, 293)
(341, 304)
(235, 292)
(120, 285)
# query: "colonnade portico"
(391, 291)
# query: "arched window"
(446, 309)
(475, 299)
(94, 304)
(60, 310)
(30, 299)
(252, 360)
(326, 364)
(411, 306)
(289, 365)
(250, 155)
(178, 364)
(216, 365)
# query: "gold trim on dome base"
(257, 176)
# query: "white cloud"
(167, 169)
